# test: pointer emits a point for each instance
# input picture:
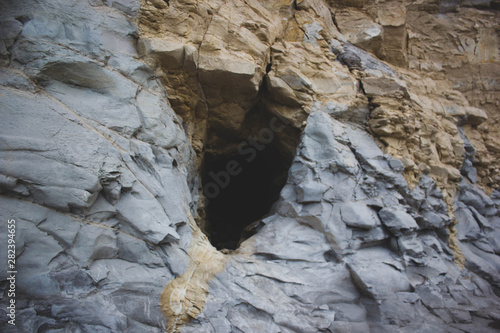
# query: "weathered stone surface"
(397, 220)
(383, 86)
(359, 29)
(368, 276)
(359, 215)
(67, 127)
(388, 220)
(467, 226)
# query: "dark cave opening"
(241, 188)
(243, 172)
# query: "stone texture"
(389, 219)
(397, 220)
(358, 216)
(359, 29)
(89, 199)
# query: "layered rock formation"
(251, 165)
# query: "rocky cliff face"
(251, 165)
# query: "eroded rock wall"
(454, 43)
(96, 170)
(389, 219)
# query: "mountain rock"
(249, 166)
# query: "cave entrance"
(242, 183)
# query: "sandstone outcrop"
(356, 142)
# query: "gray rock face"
(372, 272)
(397, 220)
(98, 172)
(358, 215)
(88, 144)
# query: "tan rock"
(462, 46)
(391, 13)
(475, 116)
(359, 29)
(281, 92)
(374, 86)
(170, 53)
(309, 69)
(184, 298)
(227, 117)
